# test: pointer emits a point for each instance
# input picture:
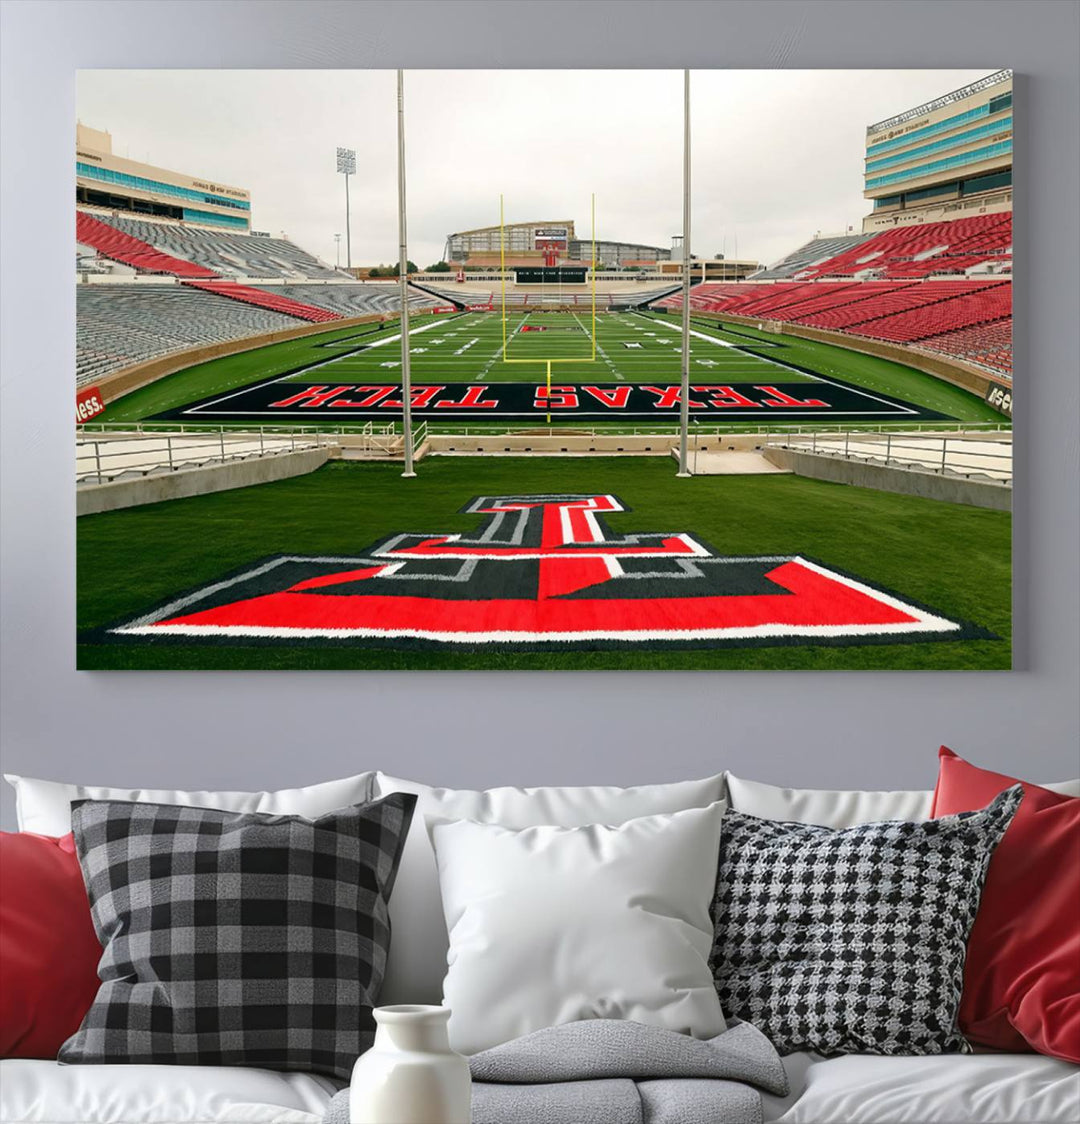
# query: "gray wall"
(273, 729)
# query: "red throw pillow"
(48, 950)
(1022, 975)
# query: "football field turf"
(953, 558)
(632, 349)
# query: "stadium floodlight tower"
(346, 164)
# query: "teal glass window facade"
(973, 157)
(1002, 101)
(955, 189)
(210, 218)
(930, 192)
(986, 183)
(995, 105)
(994, 128)
(140, 183)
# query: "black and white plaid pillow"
(236, 938)
(851, 941)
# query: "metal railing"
(666, 430)
(961, 455)
(384, 433)
(121, 453)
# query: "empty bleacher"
(964, 310)
(118, 325)
(223, 253)
(920, 251)
(127, 248)
(969, 319)
(263, 298)
(121, 246)
(353, 300)
(988, 345)
(816, 251)
(884, 299)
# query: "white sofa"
(981, 1088)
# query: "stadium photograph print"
(417, 370)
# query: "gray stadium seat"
(119, 325)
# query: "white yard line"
(802, 374)
(491, 362)
(601, 352)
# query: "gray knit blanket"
(607, 1071)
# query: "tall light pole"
(346, 164)
(403, 282)
(337, 251)
(684, 401)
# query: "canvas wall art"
(552, 370)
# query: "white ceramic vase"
(410, 1075)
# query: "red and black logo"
(542, 572)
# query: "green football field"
(954, 559)
(630, 347)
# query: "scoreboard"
(540, 275)
(550, 237)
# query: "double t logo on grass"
(541, 572)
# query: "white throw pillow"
(418, 943)
(839, 808)
(44, 807)
(551, 925)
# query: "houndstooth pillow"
(851, 941)
(236, 938)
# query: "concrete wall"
(238, 729)
(886, 478)
(90, 499)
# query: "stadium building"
(946, 159)
(540, 241)
(103, 179)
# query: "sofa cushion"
(236, 939)
(851, 941)
(839, 807)
(44, 807)
(836, 808)
(551, 925)
(974, 1089)
(951, 1089)
(417, 963)
(1022, 976)
(48, 950)
(42, 1092)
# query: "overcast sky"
(777, 155)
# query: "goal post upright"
(502, 267)
(592, 267)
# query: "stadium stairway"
(272, 301)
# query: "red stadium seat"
(250, 295)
